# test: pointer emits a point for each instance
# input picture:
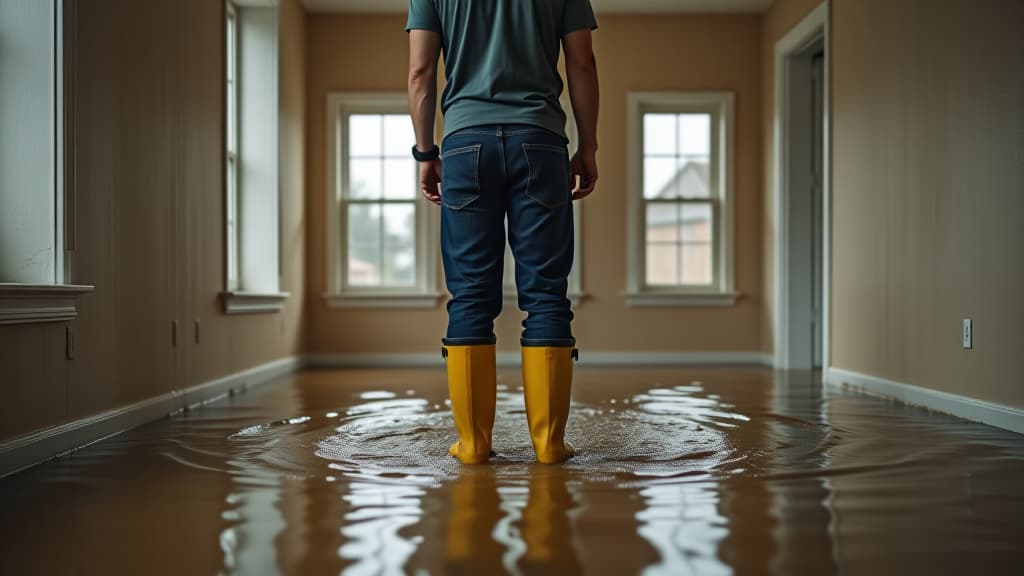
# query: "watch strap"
(426, 156)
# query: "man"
(504, 156)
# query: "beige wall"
(776, 22)
(635, 53)
(150, 220)
(928, 183)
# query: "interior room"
(796, 298)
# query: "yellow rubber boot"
(472, 387)
(547, 385)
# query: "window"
(680, 204)
(382, 247)
(575, 278)
(251, 163)
(231, 141)
(35, 264)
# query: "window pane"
(696, 223)
(662, 264)
(695, 134)
(660, 134)
(400, 252)
(399, 135)
(695, 260)
(364, 135)
(364, 250)
(694, 179)
(400, 222)
(400, 178)
(658, 178)
(662, 223)
(401, 266)
(364, 178)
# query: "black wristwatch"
(426, 156)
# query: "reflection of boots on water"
(472, 387)
(473, 514)
(547, 386)
(545, 526)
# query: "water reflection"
(678, 472)
(683, 524)
(473, 516)
(379, 513)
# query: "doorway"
(802, 198)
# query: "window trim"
(231, 133)
(339, 104)
(31, 303)
(722, 292)
(235, 297)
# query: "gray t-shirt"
(501, 57)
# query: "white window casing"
(252, 159)
(343, 288)
(35, 270)
(718, 201)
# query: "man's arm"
(581, 72)
(424, 52)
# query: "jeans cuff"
(470, 341)
(547, 342)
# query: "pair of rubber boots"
(547, 386)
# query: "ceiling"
(600, 6)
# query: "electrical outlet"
(968, 333)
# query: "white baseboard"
(30, 449)
(990, 413)
(626, 359)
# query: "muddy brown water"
(694, 471)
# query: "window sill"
(687, 299)
(384, 300)
(31, 303)
(253, 302)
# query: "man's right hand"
(430, 180)
(583, 167)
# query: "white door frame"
(814, 25)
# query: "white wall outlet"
(968, 333)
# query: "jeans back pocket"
(460, 176)
(549, 174)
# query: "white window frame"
(231, 146)
(720, 105)
(55, 301)
(576, 294)
(425, 294)
(250, 288)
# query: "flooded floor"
(691, 471)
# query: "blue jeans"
(520, 172)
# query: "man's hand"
(430, 180)
(584, 166)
